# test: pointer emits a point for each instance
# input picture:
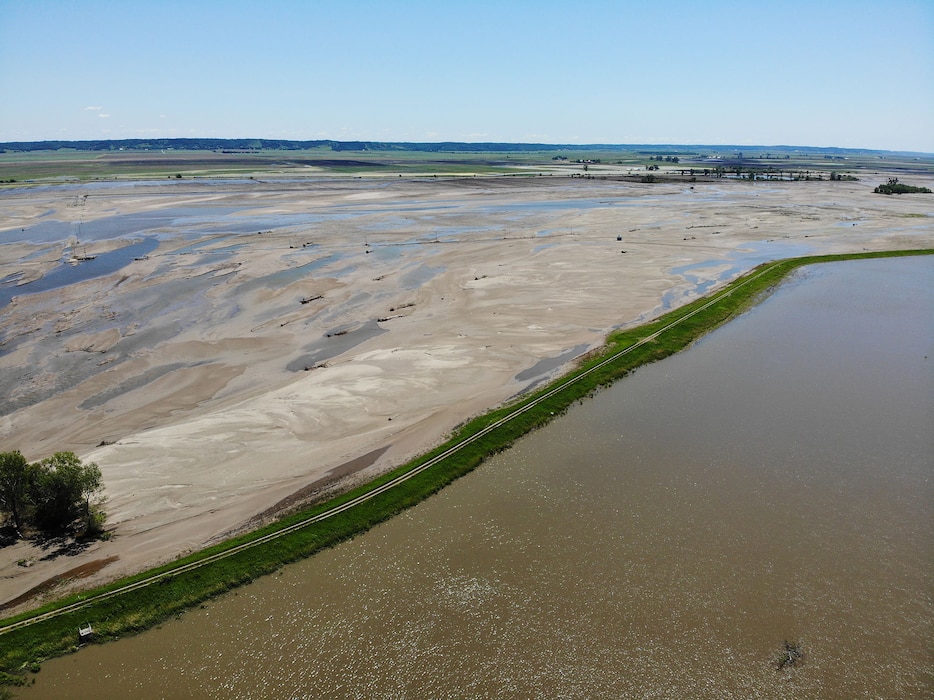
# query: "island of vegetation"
(893, 186)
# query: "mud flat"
(275, 332)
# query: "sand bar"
(278, 331)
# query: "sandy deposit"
(208, 392)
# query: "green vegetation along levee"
(141, 601)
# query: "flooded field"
(662, 540)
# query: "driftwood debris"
(791, 655)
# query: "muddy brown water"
(661, 540)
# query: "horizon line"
(11, 145)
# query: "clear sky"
(848, 73)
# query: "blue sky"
(843, 73)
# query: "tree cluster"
(893, 186)
(57, 495)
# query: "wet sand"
(208, 392)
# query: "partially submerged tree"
(791, 655)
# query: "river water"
(660, 540)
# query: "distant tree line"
(250, 145)
(57, 495)
(893, 186)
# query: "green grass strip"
(139, 602)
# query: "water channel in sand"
(661, 540)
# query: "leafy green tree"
(15, 477)
(66, 490)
